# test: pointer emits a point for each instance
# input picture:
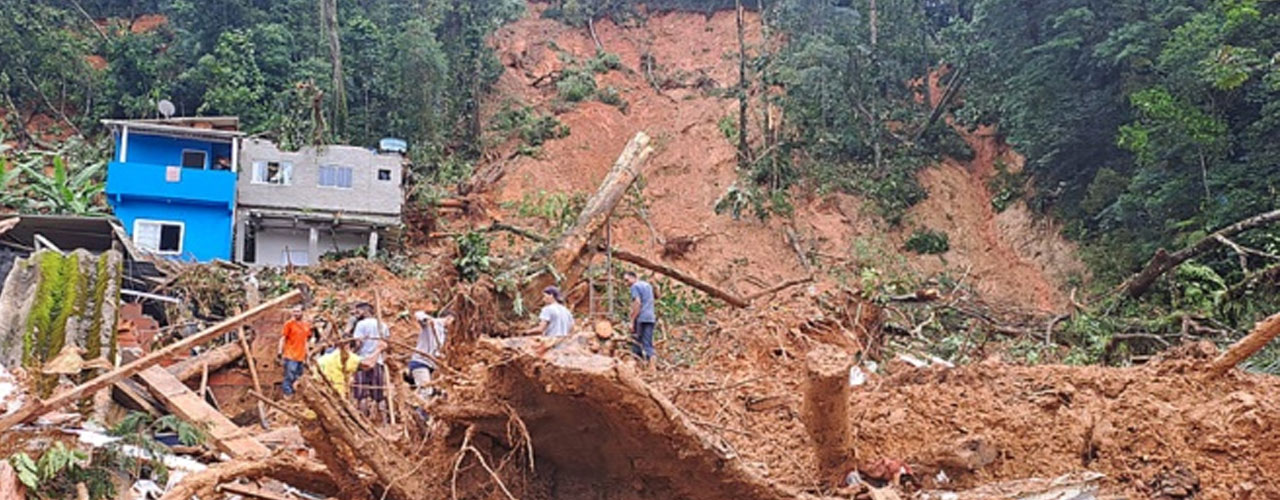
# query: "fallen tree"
(284, 467)
(1263, 332)
(563, 260)
(680, 276)
(1163, 261)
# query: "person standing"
(422, 365)
(554, 320)
(371, 335)
(642, 318)
(292, 349)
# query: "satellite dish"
(166, 108)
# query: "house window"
(384, 174)
(335, 176)
(162, 237)
(193, 158)
(273, 172)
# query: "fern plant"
(138, 430)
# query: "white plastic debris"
(856, 376)
(853, 478)
(942, 477)
(97, 439)
(11, 395)
(145, 488)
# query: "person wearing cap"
(292, 349)
(430, 343)
(371, 336)
(554, 320)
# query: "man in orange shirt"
(293, 348)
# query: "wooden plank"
(37, 408)
(185, 403)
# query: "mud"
(993, 422)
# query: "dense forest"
(1146, 124)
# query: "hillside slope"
(1010, 258)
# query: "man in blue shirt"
(642, 318)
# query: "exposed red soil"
(1012, 258)
(1132, 424)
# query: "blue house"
(172, 183)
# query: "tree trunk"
(826, 410)
(563, 260)
(743, 151)
(680, 276)
(343, 424)
(284, 467)
(1262, 333)
(215, 358)
(1163, 261)
(329, 20)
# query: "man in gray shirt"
(430, 345)
(642, 318)
(554, 320)
(371, 335)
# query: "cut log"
(826, 410)
(183, 402)
(1163, 261)
(680, 276)
(1263, 332)
(779, 288)
(215, 358)
(33, 410)
(567, 257)
(284, 467)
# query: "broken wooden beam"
(40, 407)
(185, 403)
(1263, 332)
(680, 276)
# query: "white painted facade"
(271, 245)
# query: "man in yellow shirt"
(337, 366)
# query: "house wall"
(206, 233)
(202, 200)
(271, 243)
(160, 150)
(367, 194)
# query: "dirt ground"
(1013, 257)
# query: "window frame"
(285, 165)
(390, 175)
(337, 168)
(182, 158)
(182, 233)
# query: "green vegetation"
(557, 210)
(473, 255)
(1005, 187)
(57, 472)
(577, 82)
(533, 128)
(928, 241)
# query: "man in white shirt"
(554, 320)
(370, 336)
(431, 341)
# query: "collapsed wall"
(591, 419)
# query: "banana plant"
(11, 192)
(61, 193)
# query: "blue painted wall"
(203, 200)
(160, 150)
(206, 234)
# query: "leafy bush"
(604, 62)
(928, 241)
(473, 255)
(611, 96)
(559, 210)
(576, 85)
(1005, 187)
(57, 472)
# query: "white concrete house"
(293, 207)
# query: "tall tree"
(329, 23)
